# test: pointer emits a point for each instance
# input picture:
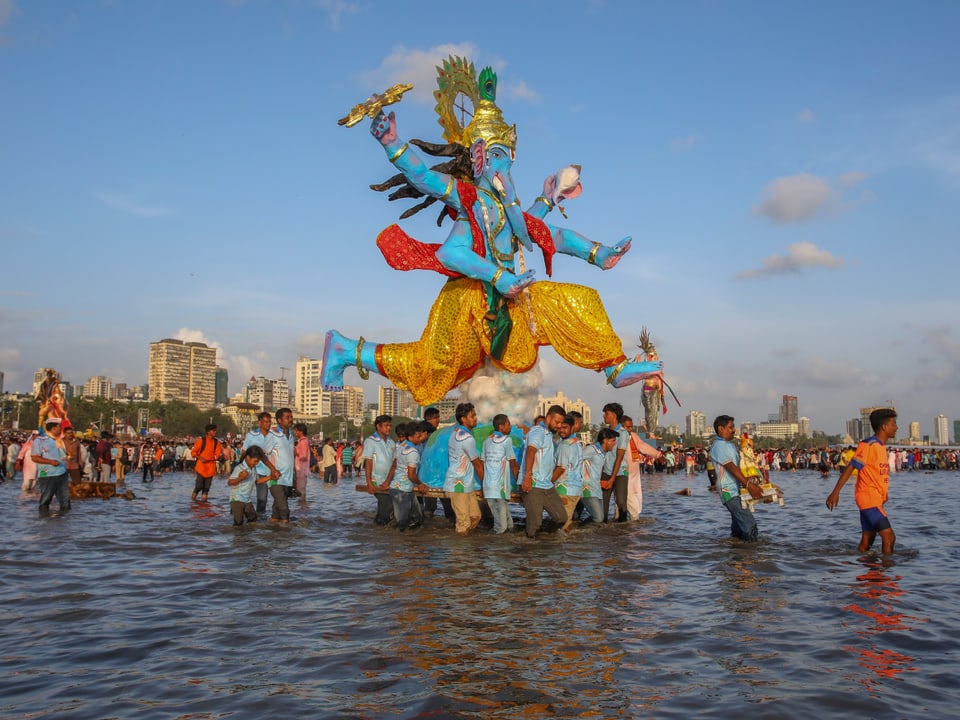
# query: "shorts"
(874, 520)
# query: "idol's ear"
(478, 153)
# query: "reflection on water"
(878, 601)
(157, 607)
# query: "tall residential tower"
(182, 371)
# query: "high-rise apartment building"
(269, 395)
(804, 427)
(544, 403)
(98, 386)
(393, 401)
(696, 424)
(956, 432)
(221, 381)
(941, 432)
(855, 429)
(346, 403)
(181, 370)
(782, 431)
(914, 431)
(788, 410)
(309, 392)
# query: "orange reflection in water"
(879, 594)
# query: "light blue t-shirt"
(380, 451)
(593, 462)
(407, 456)
(623, 443)
(497, 454)
(48, 448)
(462, 451)
(283, 456)
(268, 442)
(541, 440)
(244, 491)
(723, 451)
(569, 457)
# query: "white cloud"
(799, 256)
(796, 198)
(415, 66)
(336, 9)
(807, 116)
(799, 198)
(685, 144)
(130, 204)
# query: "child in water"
(242, 481)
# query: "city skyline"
(775, 167)
(350, 403)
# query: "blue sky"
(789, 173)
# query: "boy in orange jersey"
(873, 477)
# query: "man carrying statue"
(491, 306)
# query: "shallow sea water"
(158, 608)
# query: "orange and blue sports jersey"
(873, 474)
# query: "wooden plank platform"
(102, 490)
(429, 492)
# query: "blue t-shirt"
(269, 444)
(593, 462)
(408, 456)
(724, 451)
(541, 440)
(283, 456)
(623, 443)
(497, 454)
(462, 451)
(569, 457)
(244, 491)
(380, 451)
(48, 448)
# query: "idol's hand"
(510, 285)
(563, 185)
(384, 128)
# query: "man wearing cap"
(50, 458)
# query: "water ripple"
(159, 608)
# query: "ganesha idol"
(492, 306)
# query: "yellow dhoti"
(456, 339)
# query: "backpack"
(216, 443)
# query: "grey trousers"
(538, 500)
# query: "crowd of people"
(557, 474)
